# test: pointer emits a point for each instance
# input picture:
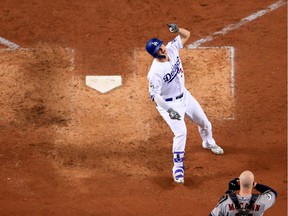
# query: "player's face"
(162, 50)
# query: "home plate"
(103, 84)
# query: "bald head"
(246, 179)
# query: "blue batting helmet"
(153, 46)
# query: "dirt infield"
(66, 149)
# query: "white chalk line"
(232, 50)
(231, 27)
(9, 44)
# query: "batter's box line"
(230, 85)
(232, 73)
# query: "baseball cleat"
(178, 175)
(215, 149)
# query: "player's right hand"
(233, 185)
(173, 114)
(173, 28)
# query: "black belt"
(178, 97)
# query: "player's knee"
(181, 133)
(207, 125)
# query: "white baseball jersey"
(226, 207)
(167, 78)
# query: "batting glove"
(173, 114)
(173, 28)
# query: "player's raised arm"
(184, 33)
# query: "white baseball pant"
(189, 106)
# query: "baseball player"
(173, 100)
(245, 203)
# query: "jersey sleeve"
(267, 199)
(217, 211)
(176, 43)
(155, 85)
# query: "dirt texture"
(66, 149)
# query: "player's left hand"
(173, 28)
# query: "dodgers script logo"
(175, 70)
